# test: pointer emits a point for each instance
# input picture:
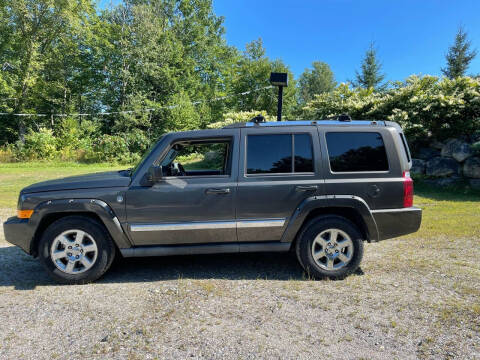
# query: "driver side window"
(198, 158)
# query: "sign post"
(280, 80)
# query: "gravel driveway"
(403, 304)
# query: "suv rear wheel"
(330, 247)
(76, 250)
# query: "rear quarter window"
(356, 152)
(405, 146)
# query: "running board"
(168, 250)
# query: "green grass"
(445, 212)
(15, 176)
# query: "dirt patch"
(412, 299)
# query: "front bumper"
(397, 222)
(17, 232)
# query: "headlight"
(23, 213)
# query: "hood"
(106, 179)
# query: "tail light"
(407, 189)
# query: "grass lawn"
(415, 296)
(15, 176)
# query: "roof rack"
(338, 122)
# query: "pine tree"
(370, 75)
(459, 56)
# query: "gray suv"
(318, 188)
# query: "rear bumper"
(397, 222)
(18, 232)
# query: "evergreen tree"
(318, 80)
(459, 56)
(370, 75)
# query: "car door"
(358, 161)
(273, 181)
(193, 209)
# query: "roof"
(307, 123)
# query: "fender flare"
(316, 202)
(94, 206)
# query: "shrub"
(424, 106)
(8, 153)
(39, 145)
(476, 148)
(137, 141)
(239, 117)
(111, 148)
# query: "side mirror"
(154, 174)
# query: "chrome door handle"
(218, 191)
(306, 187)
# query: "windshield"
(145, 155)
(172, 154)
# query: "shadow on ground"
(25, 273)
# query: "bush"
(8, 153)
(476, 148)
(39, 145)
(75, 138)
(110, 148)
(426, 107)
(239, 117)
(137, 141)
(75, 141)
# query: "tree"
(370, 75)
(459, 56)
(38, 46)
(252, 72)
(318, 80)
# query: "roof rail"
(348, 122)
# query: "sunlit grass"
(447, 212)
(15, 176)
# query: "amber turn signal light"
(24, 214)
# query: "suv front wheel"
(76, 250)
(330, 247)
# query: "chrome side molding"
(229, 224)
(243, 224)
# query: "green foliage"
(476, 148)
(160, 66)
(72, 136)
(459, 56)
(40, 44)
(252, 72)
(39, 145)
(239, 117)
(167, 56)
(425, 106)
(76, 141)
(370, 75)
(318, 80)
(110, 147)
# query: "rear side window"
(279, 153)
(405, 146)
(356, 151)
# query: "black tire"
(105, 249)
(315, 227)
